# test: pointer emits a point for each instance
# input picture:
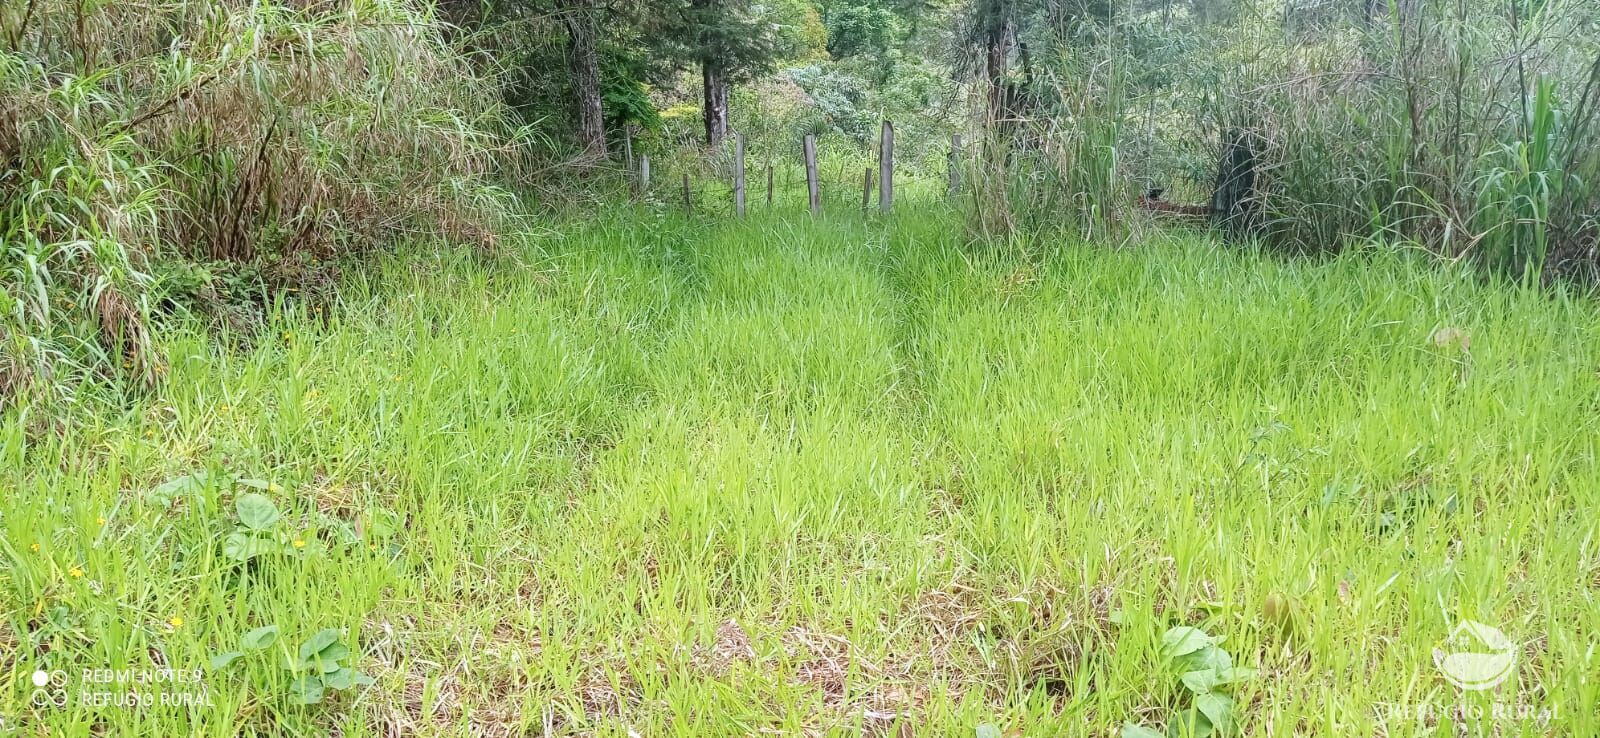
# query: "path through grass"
(786, 478)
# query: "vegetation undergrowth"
(216, 156)
(652, 475)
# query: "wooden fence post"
(627, 144)
(644, 173)
(812, 187)
(1233, 202)
(688, 195)
(955, 164)
(738, 174)
(866, 190)
(886, 168)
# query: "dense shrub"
(1458, 125)
(1463, 126)
(153, 154)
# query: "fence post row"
(813, 178)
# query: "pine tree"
(731, 41)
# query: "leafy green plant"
(256, 529)
(169, 492)
(255, 535)
(321, 663)
(254, 640)
(1208, 674)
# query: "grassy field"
(655, 477)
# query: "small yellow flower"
(34, 548)
(226, 408)
(175, 622)
(100, 521)
(75, 572)
(299, 543)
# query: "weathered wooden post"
(866, 190)
(886, 168)
(812, 187)
(1233, 200)
(644, 173)
(627, 145)
(738, 174)
(955, 165)
(688, 195)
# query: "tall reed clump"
(1052, 159)
(158, 155)
(1464, 126)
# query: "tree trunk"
(585, 57)
(995, 20)
(715, 84)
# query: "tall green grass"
(665, 476)
(1055, 162)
